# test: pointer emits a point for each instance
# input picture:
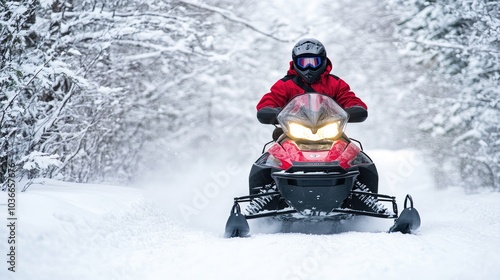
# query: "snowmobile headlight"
(299, 131)
(328, 131)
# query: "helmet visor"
(312, 62)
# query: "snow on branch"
(38, 160)
(454, 46)
(11, 100)
(232, 17)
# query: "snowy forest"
(111, 91)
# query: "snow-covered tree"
(107, 82)
(24, 83)
(457, 43)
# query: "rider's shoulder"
(334, 76)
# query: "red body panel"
(288, 152)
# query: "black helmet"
(309, 59)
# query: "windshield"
(313, 117)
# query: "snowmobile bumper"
(315, 190)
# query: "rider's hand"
(267, 115)
(357, 114)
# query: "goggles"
(308, 62)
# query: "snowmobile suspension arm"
(249, 198)
(382, 197)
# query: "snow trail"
(79, 231)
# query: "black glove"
(267, 115)
(357, 114)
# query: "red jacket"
(284, 91)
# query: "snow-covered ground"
(81, 231)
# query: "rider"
(310, 72)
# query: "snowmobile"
(313, 171)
